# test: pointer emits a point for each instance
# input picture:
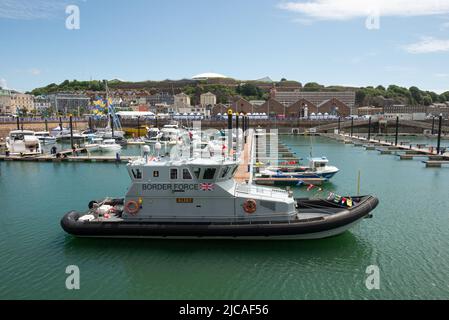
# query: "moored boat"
(109, 145)
(318, 168)
(45, 137)
(200, 199)
(23, 142)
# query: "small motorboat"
(75, 135)
(23, 143)
(318, 169)
(45, 137)
(109, 145)
(93, 144)
(59, 131)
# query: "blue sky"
(325, 41)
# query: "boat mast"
(111, 111)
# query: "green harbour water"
(408, 239)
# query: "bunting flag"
(334, 197)
(349, 203)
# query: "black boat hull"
(314, 228)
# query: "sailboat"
(110, 132)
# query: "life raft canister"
(132, 207)
(250, 206)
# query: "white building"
(42, 104)
(22, 101)
(208, 75)
(5, 102)
(182, 100)
(208, 99)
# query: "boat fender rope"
(132, 207)
(250, 206)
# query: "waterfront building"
(67, 103)
(369, 111)
(417, 116)
(301, 108)
(439, 108)
(182, 100)
(404, 109)
(205, 111)
(22, 102)
(5, 102)
(42, 104)
(241, 105)
(288, 98)
(219, 108)
(272, 107)
(208, 99)
(334, 107)
(160, 98)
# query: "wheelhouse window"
(209, 174)
(174, 174)
(224, 171)
(186, 174)
(155, 174)
(197, 172)
(234, 170)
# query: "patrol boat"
(198, 198)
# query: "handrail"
(251, 189)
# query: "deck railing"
(252, 189)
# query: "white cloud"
(34, 71)
(428, 45)
(32, 9)
(3, 83)
(350, 9)
(441, 75)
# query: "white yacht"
(107, 134)
(76, 135)
(109, 145)
(170, 133)
(45, 137)
(93, 143)
(59, 130)
(23, 142)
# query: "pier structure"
(404, 150)
(263, 149)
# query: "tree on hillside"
(427, 100)
(360, 97)
(313, 86)
(249, 90)
(416, 95)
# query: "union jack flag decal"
(207, 186)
